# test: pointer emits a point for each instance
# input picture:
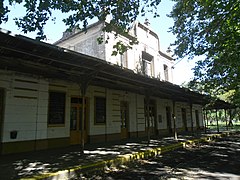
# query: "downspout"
(174, 120)
(83, 88)
(225, 112)
(36, 123)
(83, 92)
(148, 119)
(206, 121)
(106, 135)
(217, 121)
(230, 118)
(136, 115)
(191, 108)
(83, 83)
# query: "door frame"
(197, 119)
(75, 135)
(2, 97)
(184, 119)
(125, 128)
(152, 117)
(169, 119)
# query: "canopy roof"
(219, 104)
(22, 54)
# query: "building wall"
(26, 111)
(86, 43)
(25, 108)
(161, 111)
(200, 113)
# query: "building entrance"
(76, 121)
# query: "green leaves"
(120, 48)
(210, 28)
(78, 12)
(3, 13)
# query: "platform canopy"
(219, 104)
(21, 54)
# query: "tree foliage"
(210, 28)
(78, 13)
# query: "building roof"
(219, 104)
(22, 54)
(76, 31)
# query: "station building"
(75, 92)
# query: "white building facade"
(143, 58)
(52, 97)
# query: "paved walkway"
(62, 163)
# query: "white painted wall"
(26, 108)
(86, 43)
(200, 113)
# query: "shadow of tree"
(220, 155)
(218, 160)
(45, 161)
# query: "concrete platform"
(66, 163)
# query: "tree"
(210, 28)
(78, 13)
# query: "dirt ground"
(215, 160)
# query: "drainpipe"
(206, 121)
(106, 135)
(136, 114)
(191, 117)
(36, 122)
(83, 87)
(230, 118)
(83, 92)
(174, 120)
(225, 112)
(217, 121)
(83, 83)
(148, 119)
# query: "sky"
(182, 71)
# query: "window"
(100, 110)
(147, 60)
(56, 108)
(123, 59)
(124, 113)
(165, 67)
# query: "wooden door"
(124, 110)
(184, 119)
(151, 127)
(197, 119)
(152, 119)
(169, 119)
(76, 121)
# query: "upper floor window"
(56, 108)
(124, 60)
(165, 67)
(147, 63)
